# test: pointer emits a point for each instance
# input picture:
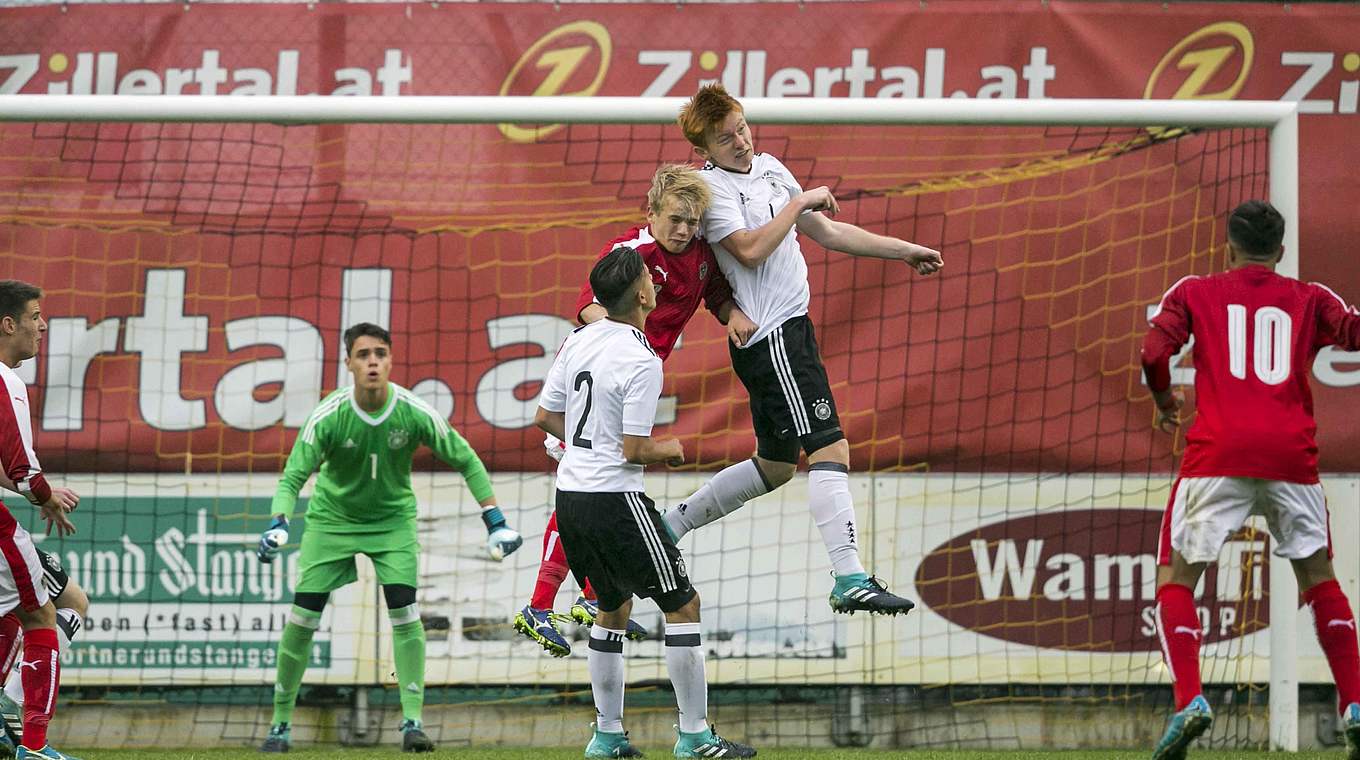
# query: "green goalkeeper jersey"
(365, 460)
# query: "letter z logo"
(1206, 56)
(561, 60)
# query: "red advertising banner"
(199, 277)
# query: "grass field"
(558, 753)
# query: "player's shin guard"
(833, 509)
(294, 646)
(605, 661)
(40, 669)
(408, 650)
(722, 495)
(685, 662)
(1335, 626)
(1179, 631)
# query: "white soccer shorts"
(21, 573)
(1203, 513)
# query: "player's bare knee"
(1313, 569)
(615, 619)
(686, 613)
(73, 597)
(42, 617)
(776, 473)
(837, 452)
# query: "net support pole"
(1284, 592)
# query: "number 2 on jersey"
(576, 438)
(1270, 350)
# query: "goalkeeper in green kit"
(363, 439)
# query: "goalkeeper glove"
(501, 540)
(272, 539)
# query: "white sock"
(722, 495)
(685, 661)
(68, 624)
(834, 512)
(605, 661)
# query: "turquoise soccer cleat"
(709, 744)
(1350, 727)
(280, 738)
(538, 625)
(610, 745)
(1185, 727)
(46, 753)
(413, 738)
(862, 593)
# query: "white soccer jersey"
(777, 290)
(606, 378)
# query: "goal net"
(1006, 475)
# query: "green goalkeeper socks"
(408, 649)
(293, 651)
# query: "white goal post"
(1280, 118)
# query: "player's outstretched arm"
(752, 247)
(856, 241)
(645, 450)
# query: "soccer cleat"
(11, 725)
(863, 593)
(709, 744)
(413, 738)
(538, 625)
(280, 738)
(1185, 727)
(585, 610)
(47, 753)
(1350, 727)
(610, 745)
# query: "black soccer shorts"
(619, 542)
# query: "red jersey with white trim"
(1255, 334)
(681, 281)
(16, 444)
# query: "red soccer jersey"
(1256, 334)
(681, 280)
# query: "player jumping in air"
(25, 602)
(363, 439)
(600, 398)
(753, 223)
(684, 272)
(1250, 451)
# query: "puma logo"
(664, 276)
(27, 664)
(1342, 623)
(1194, 633)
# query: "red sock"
(1335, 627)
(1178, 628)
(552, 570)
(11, 637)
(40, 670)
(588, 592)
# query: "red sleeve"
(1338, 323)
(16, 445)
(718, 291)
(1170, 329)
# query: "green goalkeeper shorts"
(326, 560)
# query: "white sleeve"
(786, 178)
(554, 395)
(639, 397)
(724, 215)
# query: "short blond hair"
(682, 182)
(706, 110)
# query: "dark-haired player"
(1251, 450)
